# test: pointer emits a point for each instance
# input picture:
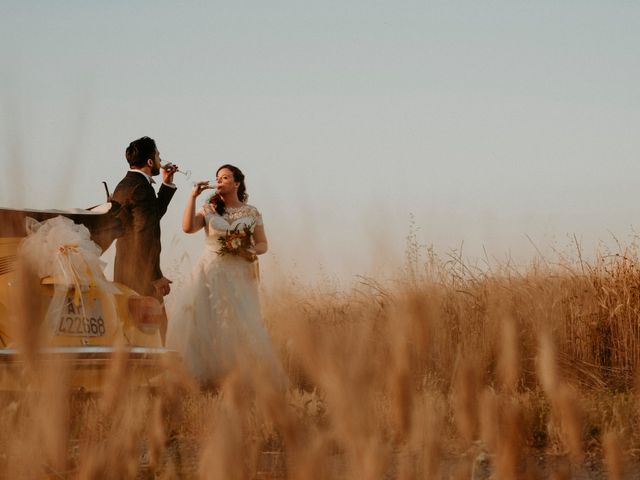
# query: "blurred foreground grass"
(447, 372)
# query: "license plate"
(82, 322)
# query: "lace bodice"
(216, 225)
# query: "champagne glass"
(211, 184)
(164, 165)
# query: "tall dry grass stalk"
(613, 455)
(450, 372)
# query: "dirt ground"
(183, 460)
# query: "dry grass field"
(450, 371)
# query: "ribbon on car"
(59, 248)
(70, 273)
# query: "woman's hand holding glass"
(201, 186)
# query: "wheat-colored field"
(450, 371)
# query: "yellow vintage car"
(91, 321)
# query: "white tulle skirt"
(215, 320)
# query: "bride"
(215, 322)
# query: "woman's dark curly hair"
(217, 201)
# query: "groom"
(137, 263)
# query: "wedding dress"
(215, 320)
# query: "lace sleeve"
(206, 209)
(257, 216)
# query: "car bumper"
(88, 368)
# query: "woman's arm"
(260, 238)
(192, 221)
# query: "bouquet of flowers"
(238, 241)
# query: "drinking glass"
(211, 184)
(187, 173)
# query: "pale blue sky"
(489, 121)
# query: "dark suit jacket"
(137, 262)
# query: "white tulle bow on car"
(63, 250)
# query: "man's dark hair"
(139, 151)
